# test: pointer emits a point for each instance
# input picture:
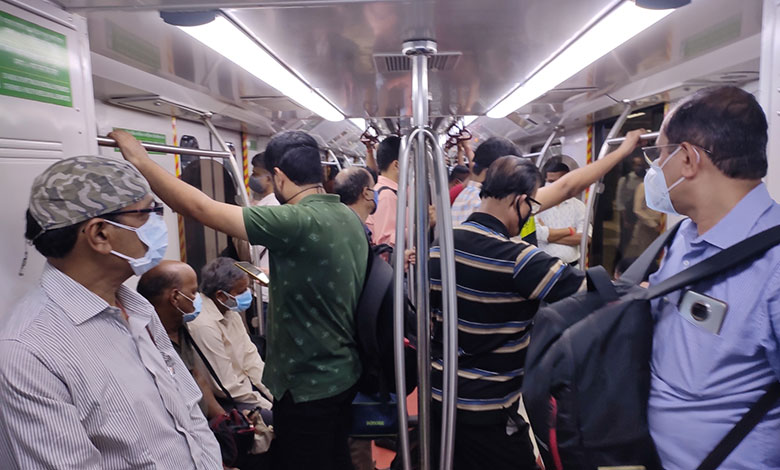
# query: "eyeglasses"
(534, 205)
(653, 153)
(156, 209)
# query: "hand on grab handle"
(131, 149)
(631, 141)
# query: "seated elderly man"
(172, 288)
(88, 376)
(220, 334)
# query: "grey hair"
(219, 274)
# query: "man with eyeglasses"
(707, 165)
(501, 283)
(88, 376)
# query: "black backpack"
(587, 372)
(374, 323)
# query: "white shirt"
(226, 344)
(569, 213)
(81, 387)
(262, 263)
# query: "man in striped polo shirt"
(500, 285)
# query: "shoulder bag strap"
(192, 343)
(639, 268)
(726, 259)
(742, 428)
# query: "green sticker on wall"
(144, 136)
(33, 62)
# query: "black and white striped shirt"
(500, 284)
(81, 388)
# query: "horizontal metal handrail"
(171, 149)
(619, 140)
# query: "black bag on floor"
(587, 372)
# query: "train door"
(623, 226)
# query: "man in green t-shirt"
(318, 255)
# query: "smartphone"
(255, 272)
(703, 311)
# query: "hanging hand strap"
(742, 428)
(189, 340)
(726, 259)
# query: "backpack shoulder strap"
(742, 428)
(213, 374)
(726, 259)
(385, 188)
(639, 268)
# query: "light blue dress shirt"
(703, 383)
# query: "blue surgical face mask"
(657, 194)
(153, 234)
(197, 304)
(240, 302)
(376, 201)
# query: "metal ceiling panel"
(334, 45)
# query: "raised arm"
(180, 196)
(370, 159)
(578, 180)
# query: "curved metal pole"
(592, 192)
(449, 303)
(543, 153)
(399, 299)
(335, 159)
(238, 180)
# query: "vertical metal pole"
(399, 299)
(595, 187)
(419, 120)
(542, 159)
(449, 304)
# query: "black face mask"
(522, 220)
(256, 185)
(640, 172)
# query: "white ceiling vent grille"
(389, 63)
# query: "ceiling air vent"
(388, 63)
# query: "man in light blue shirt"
(708, 165)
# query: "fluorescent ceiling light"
(359, 122)
(468, 120)
(620, 25)
(228, 40)
(635, 115)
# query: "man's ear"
(691, 160)
(173, 297)
(97, 234)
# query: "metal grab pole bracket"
(546, 147)
(592, 192)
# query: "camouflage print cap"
(77, 189)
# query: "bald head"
(170, 287)
(355, 188)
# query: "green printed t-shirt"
(318, 253)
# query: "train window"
(623, 226)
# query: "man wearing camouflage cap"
(88, 376)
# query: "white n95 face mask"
(656, 193)
(153, 234)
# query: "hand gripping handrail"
(593, 191)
